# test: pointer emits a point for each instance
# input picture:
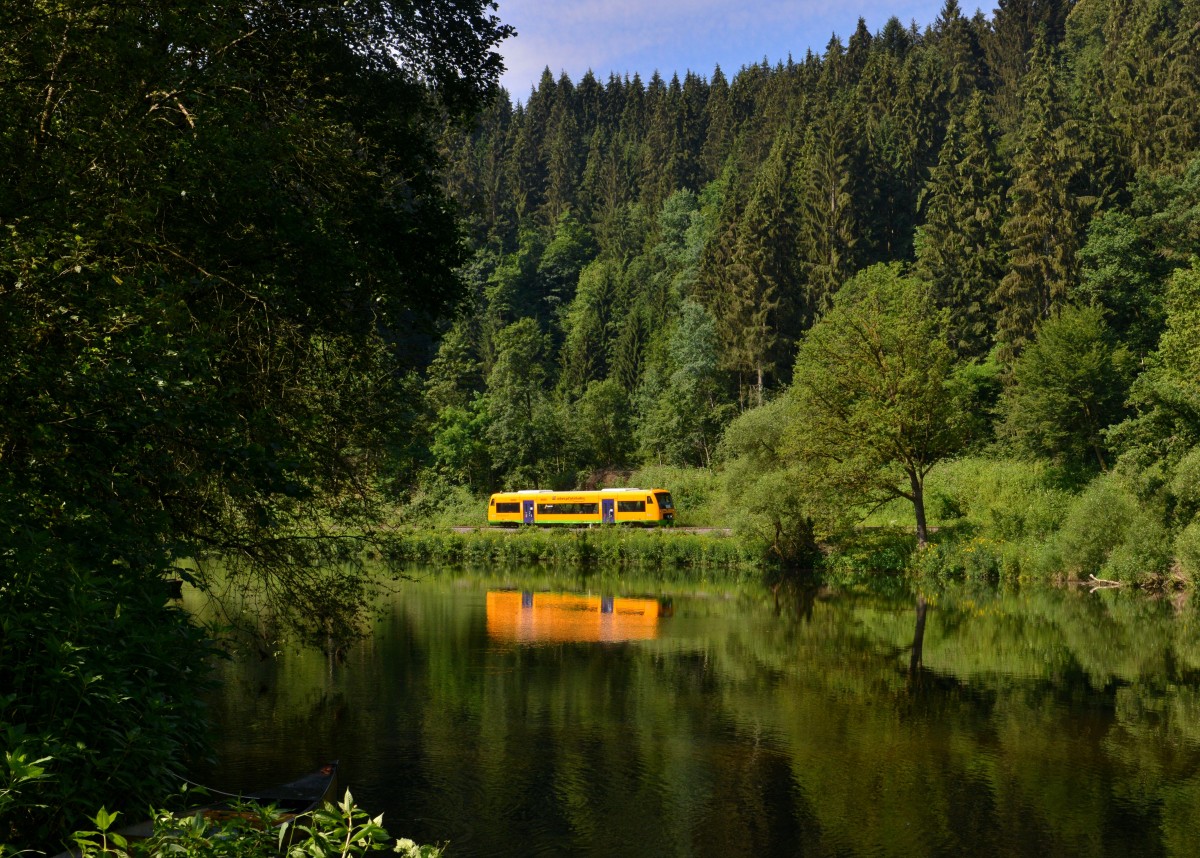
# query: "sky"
(627, 36)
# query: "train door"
(527, 508)
(608, 509)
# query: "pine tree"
(692, 128)
(588, 327)
(959, 56)
(528, 161)
(660, 160)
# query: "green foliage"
(1067, 387)
(1187, 550)
(958, 246)
(879, 551)
(996, 519)
(1043, 228)
(1130, 255)
(342, 830)
(219, 256)
(1105, 533)
(770, 497)
(1157, 443)
(443, 504)
(523, 431)
(103, 697)
(682, 408)
(603, 421)
(1184, 487)
(874, 407)
(696, 492)
(669, 552)
(1004, 499)
(458, 445)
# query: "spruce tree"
(958, 246)
(562, 161)
(1044, 224)
(718, 122)
(827, 235)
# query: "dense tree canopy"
(225, 243)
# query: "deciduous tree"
(874, 400)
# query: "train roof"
(577, 491)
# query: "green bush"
(1097, 524)
(697, 492)
(1185, 485)
(102, 698)
(341, 830)
(880, 550)
(1145, 554)
(1187, 551)
(1007, 499)
(443, 504)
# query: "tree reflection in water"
(801, 721)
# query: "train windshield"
(664, 500)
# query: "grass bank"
(1016, 520)
(992, 518)
(651, 549)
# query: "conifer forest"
(971, 240)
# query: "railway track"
(704, 531)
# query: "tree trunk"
(918, 645)
(918, 501)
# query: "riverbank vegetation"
(343, 829)
(671, 553)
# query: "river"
(507, 715)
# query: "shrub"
(1007, 499)
(1144, 555)
(1097, 523)
(445, 504)
(103, 697)
(655, 548)
(342, 830)
(879, 550)
(697, 492)
(1187, 551)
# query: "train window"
(505, 506)
(567, 508)
(664, 500)
(631, 506)
(649, 500)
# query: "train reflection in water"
(523, 616)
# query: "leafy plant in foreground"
(343, 829)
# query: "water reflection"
(528, 617)
(1042, 722)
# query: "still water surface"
(520, 722)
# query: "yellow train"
(648, 507)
